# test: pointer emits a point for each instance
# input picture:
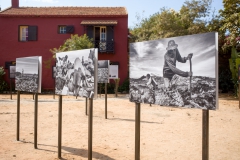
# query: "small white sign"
(113, 72)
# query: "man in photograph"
(169, 68)
(152, 86)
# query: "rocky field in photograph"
(27, 82)
(103, 75)
(201, 95)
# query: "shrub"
(3, 84)
(125, 86)
(225, 81)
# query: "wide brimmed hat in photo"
(171, 45)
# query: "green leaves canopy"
(74, 43)
(231, 21)
(192, 18)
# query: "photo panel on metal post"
(28, 74)
(53, 72)
(103, 71)
(113, 72)
(178, 71)
(12, 70)
(39, 74)
(76, 73)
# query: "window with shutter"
(27, 33)
(103, 37)
(64, 29)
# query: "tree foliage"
(75, 42)
(3, 84)
(231, 22)
(193, 17)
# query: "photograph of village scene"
(28, 74)
(103, 71)
(75, 73)
(177, 71)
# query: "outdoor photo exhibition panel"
(53, 72)
(12, 70)
(76, 73)
(178, 71)
(103, 71)
(28, 75)
(113, 72)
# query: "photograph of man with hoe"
(154, 63)
(169, 68)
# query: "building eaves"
(65, 12)
(99, 22)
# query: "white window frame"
(103, 33)
(62, 29)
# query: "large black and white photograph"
(103, 71)
(12, 70)
(76, 73)
(113, 72)
(28, 74)
(178, 71)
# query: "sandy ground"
(166, 133)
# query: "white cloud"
(160, 46)
(141, 49)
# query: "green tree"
(3, 84)
(75, 42)
(231, 27)
(230, 22)
(193, 17)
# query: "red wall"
(48, 38)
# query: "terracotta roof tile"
(99, 22)
(64, 11)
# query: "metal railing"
(104, 46)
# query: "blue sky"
(144, 8)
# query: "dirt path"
(166, 133)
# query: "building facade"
(33, 31)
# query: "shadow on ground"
(75, 151)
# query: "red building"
(33, 31)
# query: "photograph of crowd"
(12, 70)
(113, 72)
(28, 74)
(76, 73)
(103, 71)
(178, 71)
